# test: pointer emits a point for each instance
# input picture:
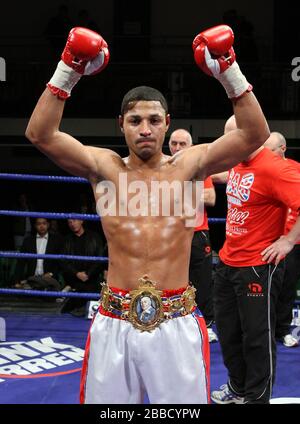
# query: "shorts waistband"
(146, 307)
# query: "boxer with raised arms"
(167, 357)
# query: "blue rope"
(216, 220)
(34, 293)
(82, 216)
(52, 256)
(52, 215)
(49, 178)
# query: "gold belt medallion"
(146, 308)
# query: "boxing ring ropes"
(54, 215)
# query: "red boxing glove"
(214, 54)
(84, 45)
(219, 41)
(86, 53)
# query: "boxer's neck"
(135, 162)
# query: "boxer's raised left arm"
(214, 54)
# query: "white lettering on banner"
(3, 361)
(15, 353)
(49, 342)
(13, 369)
(57, 359)
(76, 354)
(58, 355)
(36, 365)
(41, 347)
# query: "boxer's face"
(145, 127)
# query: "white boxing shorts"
(169, 364)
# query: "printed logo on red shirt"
(238, 192)
(240, 187)
(237, 217)
(255, 290)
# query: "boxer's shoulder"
(107, 162)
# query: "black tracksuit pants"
(287, 295)
(200, 274)
(245, 313)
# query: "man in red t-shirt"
(200, 270)
(249, 276)
(284, 310)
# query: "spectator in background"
(54, 227)
(284, 310)
(22, 225)
(39, 273)
(81, 276)
(200, 269)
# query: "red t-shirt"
(208, 183)
(292, 214)
(259, 193)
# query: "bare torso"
(156, 246)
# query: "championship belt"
(146, 307)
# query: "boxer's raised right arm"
(86, 53)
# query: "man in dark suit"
(39, 273)
(81, 276)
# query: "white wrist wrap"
(64, 77)
(234, 81)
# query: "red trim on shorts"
(205, 351)
(85, 366)
(165, 293)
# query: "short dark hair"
(142, 93)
